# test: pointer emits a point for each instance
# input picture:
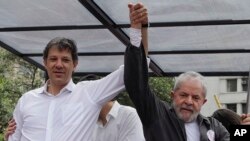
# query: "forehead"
(191, 86)
(55, 50)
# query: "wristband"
(146, 25)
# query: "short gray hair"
(190, 75)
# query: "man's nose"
(189, 100)
(58, 63)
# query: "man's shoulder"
(210, 121)
(214, 121)
(128, 115)
(128, 112)
(127, 108)
(33, 92)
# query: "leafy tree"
(161, 86)
(16, 77)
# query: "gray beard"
(193, 117)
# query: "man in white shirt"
(62, 110)
(115, 123)
(118, 123)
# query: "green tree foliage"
(16, 77)
(161, 86)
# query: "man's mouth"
(187, 109)
(58, 73)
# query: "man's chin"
(60, 81)
(191, 118)
(188, 118)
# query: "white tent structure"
(211, 37)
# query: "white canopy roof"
(211, 37)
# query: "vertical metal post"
(217, 101)
(248, 94)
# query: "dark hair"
(227, 117)
(62, 44)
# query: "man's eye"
(52, 59)
(183, 95)
(66, 60)
(196, 98)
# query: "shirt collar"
(69, 87)
(113, 113)
(114, 110)
(202, 119)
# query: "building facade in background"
(231, 92)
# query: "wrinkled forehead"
(192, 86)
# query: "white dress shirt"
(69, 116)
(123, 124)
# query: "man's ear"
(205, 100)
(75, 64)
(45, 63)
(172, 94)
